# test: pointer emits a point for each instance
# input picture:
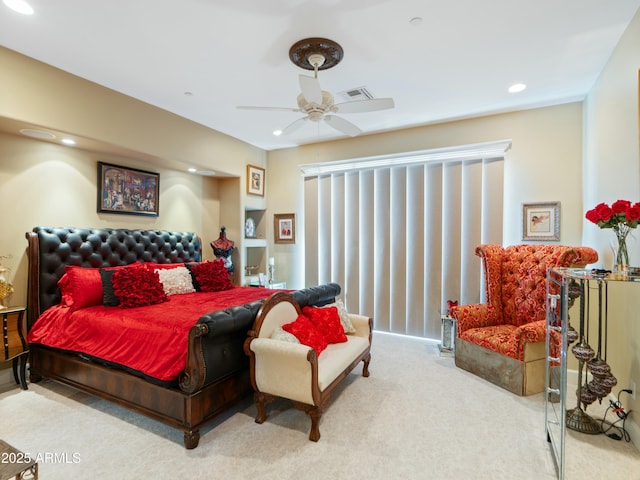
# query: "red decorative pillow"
(327, 321)
(211, 276)
(304, 330)
(137, 287)
(82, 287)
(109, 297)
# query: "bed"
(212, 370)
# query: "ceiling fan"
(317, 104)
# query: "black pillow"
(109, 298)
(196, 284)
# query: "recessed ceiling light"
(192, 170)
(517, 87)
(19, 6)
(39, 134)
(206, 173)
(415, 21)
(277, 133)
(68, 141)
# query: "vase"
(6, 288)
(621, 254)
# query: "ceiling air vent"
(360, 93)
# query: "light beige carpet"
(416, 417)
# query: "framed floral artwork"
(541, 221)
(284, 227)
(127, 190)
(255, 180)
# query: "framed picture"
(284, 227)
(255, 180)
(541, 221)
(127, 190)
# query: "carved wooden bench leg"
(261, 400)
(315, 414)
(365, 367)
(191, 439)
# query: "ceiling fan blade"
(360, 106)
(311, 90)
(292, 127)
(342, 125)
(281, 109)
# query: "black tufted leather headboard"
(51, 249)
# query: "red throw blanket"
(151, 339)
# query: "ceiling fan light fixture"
(304, 52)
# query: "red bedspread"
(151, 339)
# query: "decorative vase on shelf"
(621, 254)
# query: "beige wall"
(543, 164)
(48, 184)
(51, 185)
(611, 172)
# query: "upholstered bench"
(283, 367)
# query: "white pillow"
(344, 316)
(176, 280)
(284, 336)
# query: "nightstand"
(14, 344)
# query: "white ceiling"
(457, 63)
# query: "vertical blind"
(400, 240)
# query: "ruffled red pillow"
(137, 287)
(327, 321)
(306, 332)
(211, 276)
(109, 297)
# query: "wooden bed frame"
(198, 399)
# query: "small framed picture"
(284, 227)
(541, 221)
(255, 180)
(127, 190)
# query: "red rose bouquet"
(621, 217)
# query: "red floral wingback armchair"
(503, 340)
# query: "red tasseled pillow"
(137, 287)
(81, 287)
(327, 321)
(304, 330)
(211, 276)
